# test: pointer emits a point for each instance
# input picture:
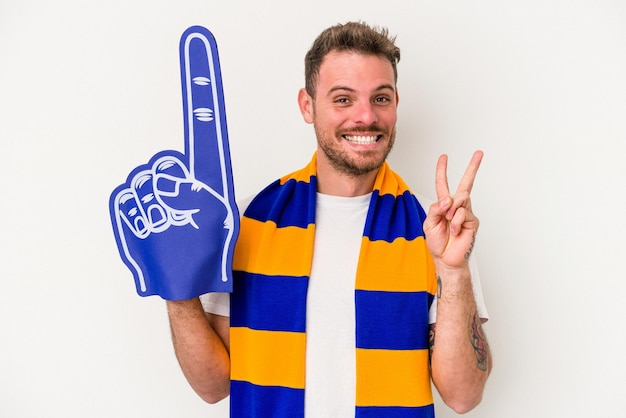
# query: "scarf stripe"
(281, 241)
(396, 412)
(394, 287)
(280, 349)
(256, 401)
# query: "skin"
(354, 113)
(460, 355)
(201, 343)
(355, 98)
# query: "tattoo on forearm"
(479, 343)
(431, 340)
(471, 248)
(439, 286)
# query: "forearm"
(460, 355)
(201, 352)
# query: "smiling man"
(348, 299)
(353, 110)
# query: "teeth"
(361, 139)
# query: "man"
(337, 265)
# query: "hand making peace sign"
(175, 219)
(451, 226)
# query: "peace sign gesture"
(175, 219)
(451, 226)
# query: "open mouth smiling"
(362, 139)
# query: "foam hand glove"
(175, 219)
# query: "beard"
(364, 162)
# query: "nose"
(365, 113)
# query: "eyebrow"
(351, 90)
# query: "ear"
(305, 102)
(397, 98)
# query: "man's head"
(352, 36)
(351, 99)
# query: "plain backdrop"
(90, 90)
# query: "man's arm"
(201, 343)
(460, 356)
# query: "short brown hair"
(352, 36)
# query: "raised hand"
(451, 226)
(175, 219)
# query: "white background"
(90, 90)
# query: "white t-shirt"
(330, 316)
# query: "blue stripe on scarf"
(389, 217)
(278, 292)
(395, 411)
(277, 401)
(380, 328)
(286, 205)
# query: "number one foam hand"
(175, 219)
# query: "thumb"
(436, 214)
(439, 209)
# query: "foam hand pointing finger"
(451, 226)
(175, 219)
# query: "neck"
(331, 181)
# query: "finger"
(463, 219)
(441, 178)
(457, 221)
(128, 211)
(460, 200)
(152, 212)
(126, 216)
(206, 137)
(169, 172)
(467, 182)
(436, 213)
(437, 210)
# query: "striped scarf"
(395, 285)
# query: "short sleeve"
(473, 266)
(481, 308)
(216, 303)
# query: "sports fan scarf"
(395, 285)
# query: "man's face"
(354, 111)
